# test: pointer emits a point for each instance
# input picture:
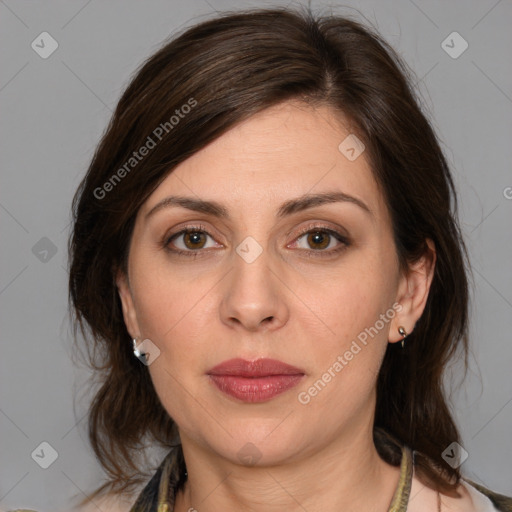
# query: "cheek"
(350, 299)
(175, 311)
(355, 305)
(166, 299)
(358, 325)
(346, 365)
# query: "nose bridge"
(251, 276)
(252, 295)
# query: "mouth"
(254, 381)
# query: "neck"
(347, 474)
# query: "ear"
(129, 314)
(413, 290)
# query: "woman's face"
(313, 284)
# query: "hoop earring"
(403, 333)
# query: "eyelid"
(344, 239)
(181, 230)
(321, 227)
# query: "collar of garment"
(159, 495)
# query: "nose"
(253, 296)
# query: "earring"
(136, 351)
(403, 333)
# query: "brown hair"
(227, 69)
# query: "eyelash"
(309, 229)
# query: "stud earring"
(136, 351)
(403, 333)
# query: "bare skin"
(424, 499)
(289, 304)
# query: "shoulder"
(499, 501)
(110, 502)
(471, 498)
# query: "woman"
(266, 253)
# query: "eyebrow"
(287, 208)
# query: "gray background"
(53, 113)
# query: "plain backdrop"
(53, 112)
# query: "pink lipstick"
(255, 381)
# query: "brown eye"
(190, 240)
(318, 239)
(321, 239)
(194, 239)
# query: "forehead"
(282, 152)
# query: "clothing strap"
(160, 492)
(401, 497)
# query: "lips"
(258, 368)
(254, 381)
